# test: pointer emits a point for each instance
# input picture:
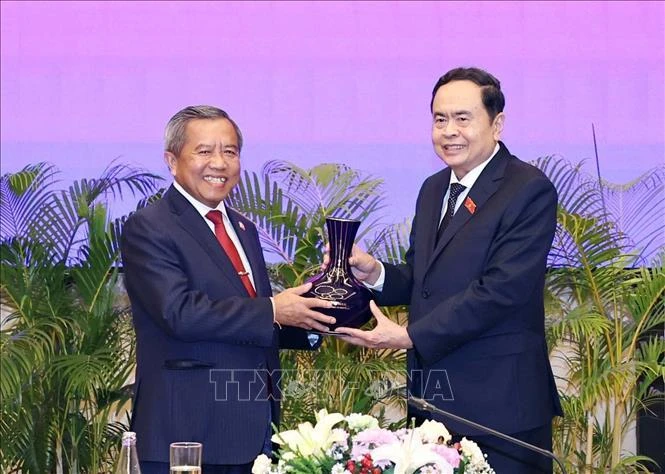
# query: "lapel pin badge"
(241, 225)
(470, 205)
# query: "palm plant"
(289, 205)
(603, 311)
(66, 341)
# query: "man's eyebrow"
(456, 113)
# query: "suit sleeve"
(515, 266)
(159, 287)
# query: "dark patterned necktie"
(231, 251)
(455, 190)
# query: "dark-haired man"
(207, 326)
(474, 279)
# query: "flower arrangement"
(355, 444)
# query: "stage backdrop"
(86, 82)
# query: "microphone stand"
(426, 406)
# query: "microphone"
(428, 407)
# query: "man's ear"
(498, 125)
(170, 160)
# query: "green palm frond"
(32, 441)
(279, 221)
(22, 195)
(390, 243)
(117, 178)
(601, 309)
(577, 191)
(151, 198)
(637, 209)
(61, 220)
(67, 346)
(593, 259)
(579, 323)
(645, 298)
(586, 241)
(651, 354)
(21, 349)
(81, 371)
(328, 189)
(97, 267)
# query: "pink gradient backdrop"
(85, 82)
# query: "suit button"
(426, 293)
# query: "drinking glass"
(185, 457)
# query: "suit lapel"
(192, 222)
(485, 186)
(432, 209)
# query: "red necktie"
(231, 251)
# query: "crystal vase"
(337, 283)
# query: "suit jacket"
(477, 312)
(204, 348)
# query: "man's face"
(462, 133)
(208, 166)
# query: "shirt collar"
(198, 205)
(470, 178)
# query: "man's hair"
(174, 135)
(493, 98)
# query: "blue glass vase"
(337, 283)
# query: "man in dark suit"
(474, 278)
(207, 326)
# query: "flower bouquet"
(355, 444)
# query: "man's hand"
(364, 267)
(291, 309)
(386, 335)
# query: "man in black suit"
(474, 279)
(207, 326)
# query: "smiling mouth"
(215, 180)
(453, 147)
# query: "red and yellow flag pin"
(470, 205)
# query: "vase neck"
(341, 235)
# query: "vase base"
(328, 333)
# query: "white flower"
(338, 469)
(307, 439)
(472, 451)
(281, 464)
(430, 432)
(429, 470)
(410, 456)
(358, 422)
(339, 444)
(262, 465)
(339, 436)
(287, 456)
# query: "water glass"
(185, 457)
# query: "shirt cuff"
(378, 284)
(274, 321)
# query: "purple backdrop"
(85, 82)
